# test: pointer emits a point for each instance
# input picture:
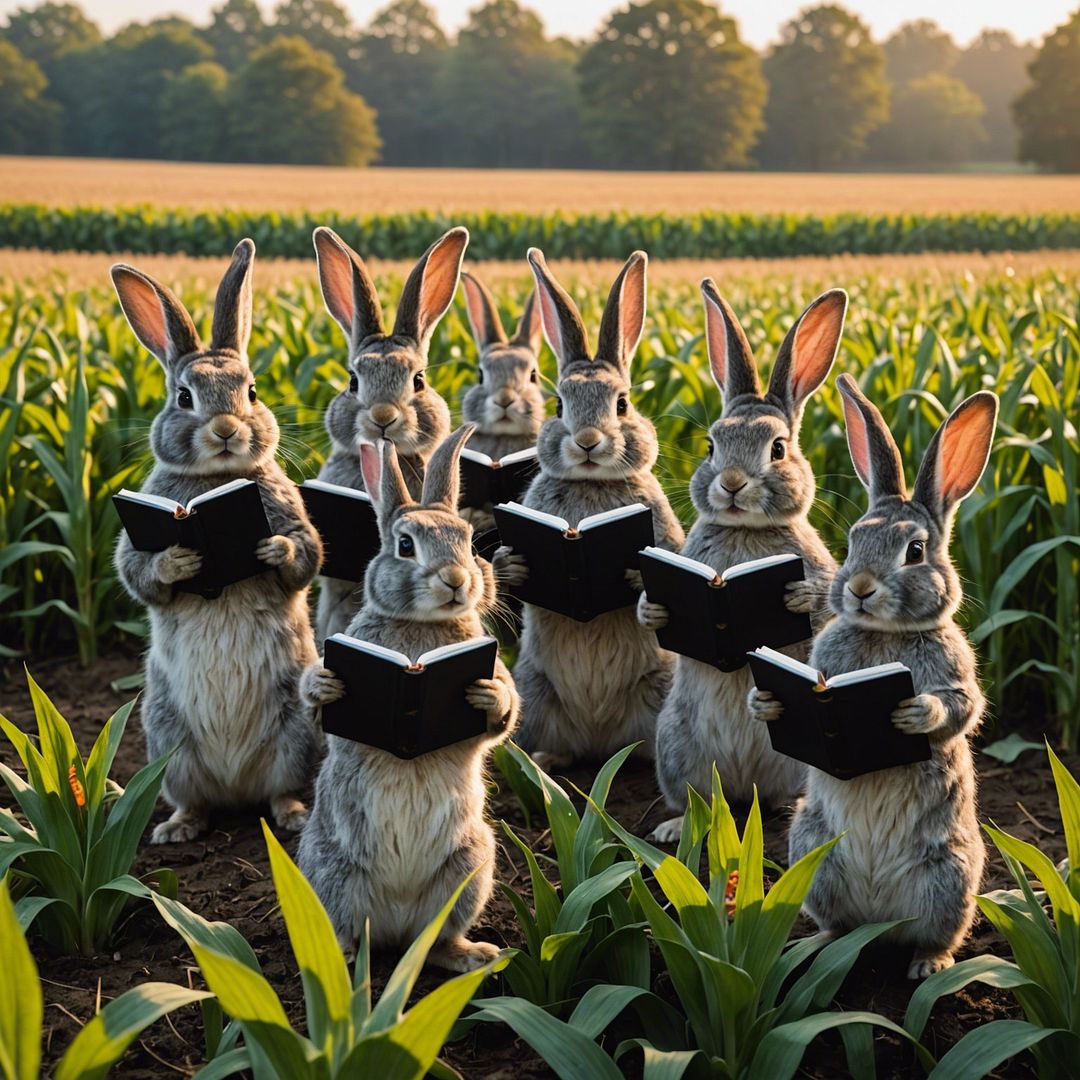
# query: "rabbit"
(752, 493)
(911, 847)
(222, 675)
(588, 689)
(388, 395)
(506, 404)
(391, 839)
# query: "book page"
(691, 566)
(215, 493)
(372, 649)
(796, 667)
(171, 506)
(846, 678)
(337, 489)
(518, 455)
(553, 520)
(477, 456)
(755, 564)
(433, 656)
(593, 520)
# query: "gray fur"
(912, 847)
(705, 718)
(392, 398)
(588, 689)
(221, 675)
(507, 403)
(388, 839)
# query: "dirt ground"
(225, 875)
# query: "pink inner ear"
(858, 440)
(965, 443)
(439, 282)
(632, 308)
(335, 275)
(143, 309)
(550, 315)
(474, 304)
(371, 466)
(717, 341)
(815, 347)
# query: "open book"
(225, 524)
(345, 519)
(717, 618)
(485, 481)
(404, 707)
(576, 571)
(841, 725)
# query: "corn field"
(77, 395)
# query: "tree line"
(665, 84)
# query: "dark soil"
(226, 876)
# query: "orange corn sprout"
(76, 788)
(729, 893)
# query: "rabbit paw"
(460, 954)
(178, 564)
(919, 715)
(509, 569)
(289, 812)
(275, 550)
(667, 832)
(651, 616)
(184, 825)
(763, 705)
(801, 597)
(492, 697)
(925, 964)
(320, 686)
(633, 579)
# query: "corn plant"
(71, 853)
(583, 927)
(100, 1044)
(346, 1034)
(1044, 974)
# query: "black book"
(403, 707)
(841, 725)
(579, 572)
(225, 524)
(718, 618)
(486, 481)
(345, 519)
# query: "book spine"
(576, 574)
(829, 722)
(721, 609)
(410, 709)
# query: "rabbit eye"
(405, 547)
(534, 375)
(621, 406)
(711, 447)
(184, 398)
(252, 396)
(558, 406)
(479, 376)
(354, 383)
(418, 382)
(915, 551)
(778, 449)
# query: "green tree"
(916, 49)
(28, 120)
(995, 66)
(323, 24)
(1048, 111)
(508, 95)
(669, 85)
(827, 91)
(289, 105)
(236, 30)
(935, 120)
(194, 114)
(403, 48)
(46, 33)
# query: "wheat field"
(100, 182)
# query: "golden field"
(101, 182)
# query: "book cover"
(717, 618)
(345, 519)
(578, 571)
(226, 524)
(485, 481)
(403, 707)
(841, 725)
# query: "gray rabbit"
(222, 675)
(388, 395)
(911, 848)
(506, 404)
(752, 493)
(389, 839)
(588, 689)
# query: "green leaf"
(1008, 749)
(20, 998)
(579, 904)
(663, 1064)
(227, 1064)
(221, 937)
(982, 1050)
(1068, 791)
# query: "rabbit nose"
(383, 415)
(504, 398)
(223, 429)
(732, 481)
(589, 439)
(862, 586)
(453, 577)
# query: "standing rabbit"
(222, 675)
(911, 847)
(588, 689)
(388, 395)
(388, 839)
(752, 494)
(506, 404)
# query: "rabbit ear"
(956, 457)
(231, 328)
(808, 351)
(158, 318)
(382, 476)
(430, 287)
(563, 327)
(487, 327)
(624, 315)
(442, 477)
(347, 288)
(873, 450)
(530, 332)
(730, 358)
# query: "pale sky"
(759, 20)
